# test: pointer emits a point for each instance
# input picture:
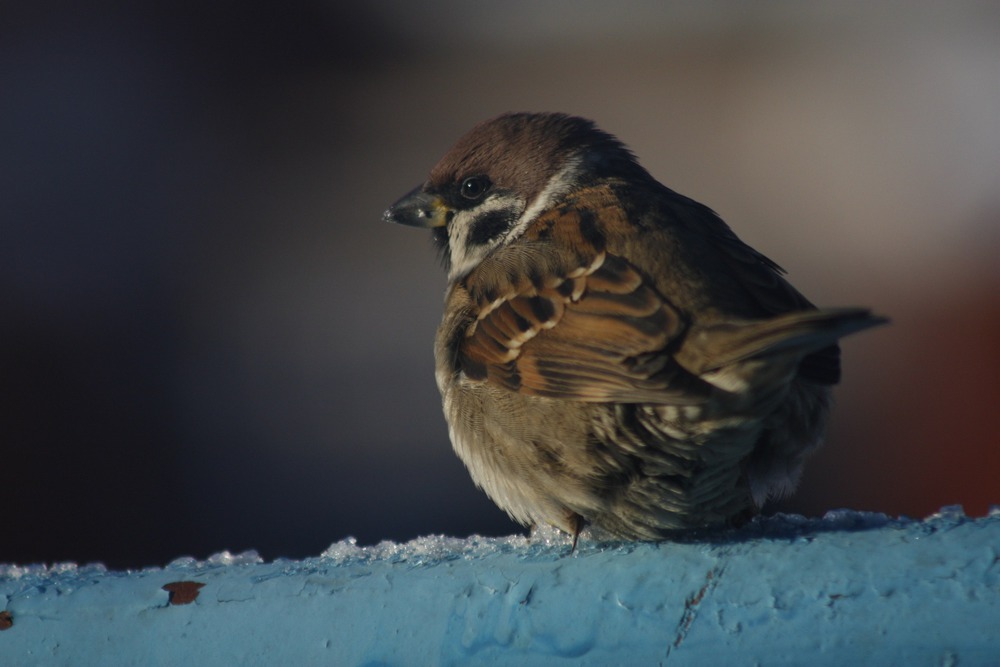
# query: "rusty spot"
(6, 620)
(182, 592)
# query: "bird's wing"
(566, 319)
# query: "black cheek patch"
(488, 226)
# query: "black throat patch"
(439, 236)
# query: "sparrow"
(611, 355)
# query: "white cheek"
(463, 257)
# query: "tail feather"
(806, 332)
(792, 336)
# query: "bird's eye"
(474, 187)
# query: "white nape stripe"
(558, 185)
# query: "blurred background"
(209, 340)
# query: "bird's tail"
(727, 355)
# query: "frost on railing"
(850, 588)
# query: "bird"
(611, 356)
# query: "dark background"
(209, 340)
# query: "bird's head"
(501, 175)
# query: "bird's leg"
(576, 524)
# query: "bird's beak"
(418, 208)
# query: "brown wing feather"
(590, 329)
